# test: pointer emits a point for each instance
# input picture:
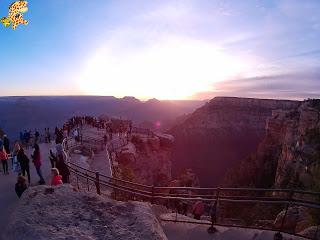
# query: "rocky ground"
(56, 213)
(8, 198)
(62, 213)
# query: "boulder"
(127, 154)
(56, 213)
(166, 140)
(297, 219)
(311, 232)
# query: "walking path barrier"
(166, 195)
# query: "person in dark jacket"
(36, 159)
(63, 168)
(6, 144)
(213, 215)
(24, 163)
(36, 135)
(4, 159)
(52, 158)
(20, 186)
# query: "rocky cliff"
(289, 155)
(220, 134)
(53, 213)
(146, 159)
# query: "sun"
(166, 70)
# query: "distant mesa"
(130, 99)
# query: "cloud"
(298, 85)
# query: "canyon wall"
(289, 155)
(217, 136)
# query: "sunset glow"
(173, 69)
(193, 49)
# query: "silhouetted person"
(105, 139)
(278, 236)
(62, 167)
(36, 135)
(4, 159)
(213, 215)
(6, 144)
(24, 163)
(20, 186)
(52, 158)
(36, 159)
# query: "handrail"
(192, 193)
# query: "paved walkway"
(190, 231)
(8, 197)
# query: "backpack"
(16, 165)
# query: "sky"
(178, 49)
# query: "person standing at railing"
(24, 163)
(198, 209)
(4, 158)
(61, 165)
(213, 216)
(36, 159)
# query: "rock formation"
(220, 134)
(47, 213)
(288, 156)
(146, 159)
(297, 219)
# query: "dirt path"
(8, 197)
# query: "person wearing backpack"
(24, 163)
(15, 163)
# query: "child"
(21, 185)
(56, 178)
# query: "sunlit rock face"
(62, 213)
(220, 134)
(288, 156)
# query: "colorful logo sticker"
(15, 16)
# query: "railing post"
(77, 177)
(152, 194)
(115, 190)
(315, 237)
(87, 181)
(98, 183)
(217, 203)
(279, 235)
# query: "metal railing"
(162, 195)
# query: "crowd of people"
(20, 161)
(59, 169)
(29, 138)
